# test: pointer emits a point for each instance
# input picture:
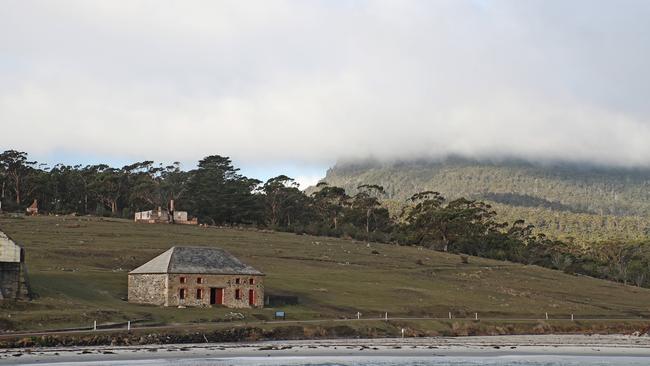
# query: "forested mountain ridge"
(562, 200)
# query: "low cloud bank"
(314, 82)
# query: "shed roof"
(203, 260)
(9, 250)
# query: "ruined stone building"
(197, 276)
(33, 208)
(164, 216)
(13, 272)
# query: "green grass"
(79, 266)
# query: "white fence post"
(571, 317)
(450, 315)
(386, 316)
(476, 316)
(95, 325)
(128, 325)
(546, 316)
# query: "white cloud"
(313, 82)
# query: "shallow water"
(443, 361)
(384, 361)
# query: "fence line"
(129, 325)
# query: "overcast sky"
(284, 86)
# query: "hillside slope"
(79, 268)
(591, 203)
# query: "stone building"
(13, 272)
(33, 208)
(162, 216)
(197, 276)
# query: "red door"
(216, 296)
(251, 297)
(219, 296)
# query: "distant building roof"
(204, 260)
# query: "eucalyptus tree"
(15, 168)
(330, 203)
(107, 186)
(444, 226)
(367, 201)
(282, 197)
(144, 185)
(173, 183)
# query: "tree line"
(218, 194)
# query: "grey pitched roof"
(204, 260)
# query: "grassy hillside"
(588, 203)
(79, 266)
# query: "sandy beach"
(491, 346)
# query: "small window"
(237, 281)
(181, 294)
(182, 279)
(199, 280)
(251, 281)
(199, 293)
(238, 294)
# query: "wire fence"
(140, 324)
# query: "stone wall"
(229, 284)
(13, 282)
(180, 215)
(13, 271)
(164, 217)
(148, 289)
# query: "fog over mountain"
(320, 81)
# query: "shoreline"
(474, 346)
